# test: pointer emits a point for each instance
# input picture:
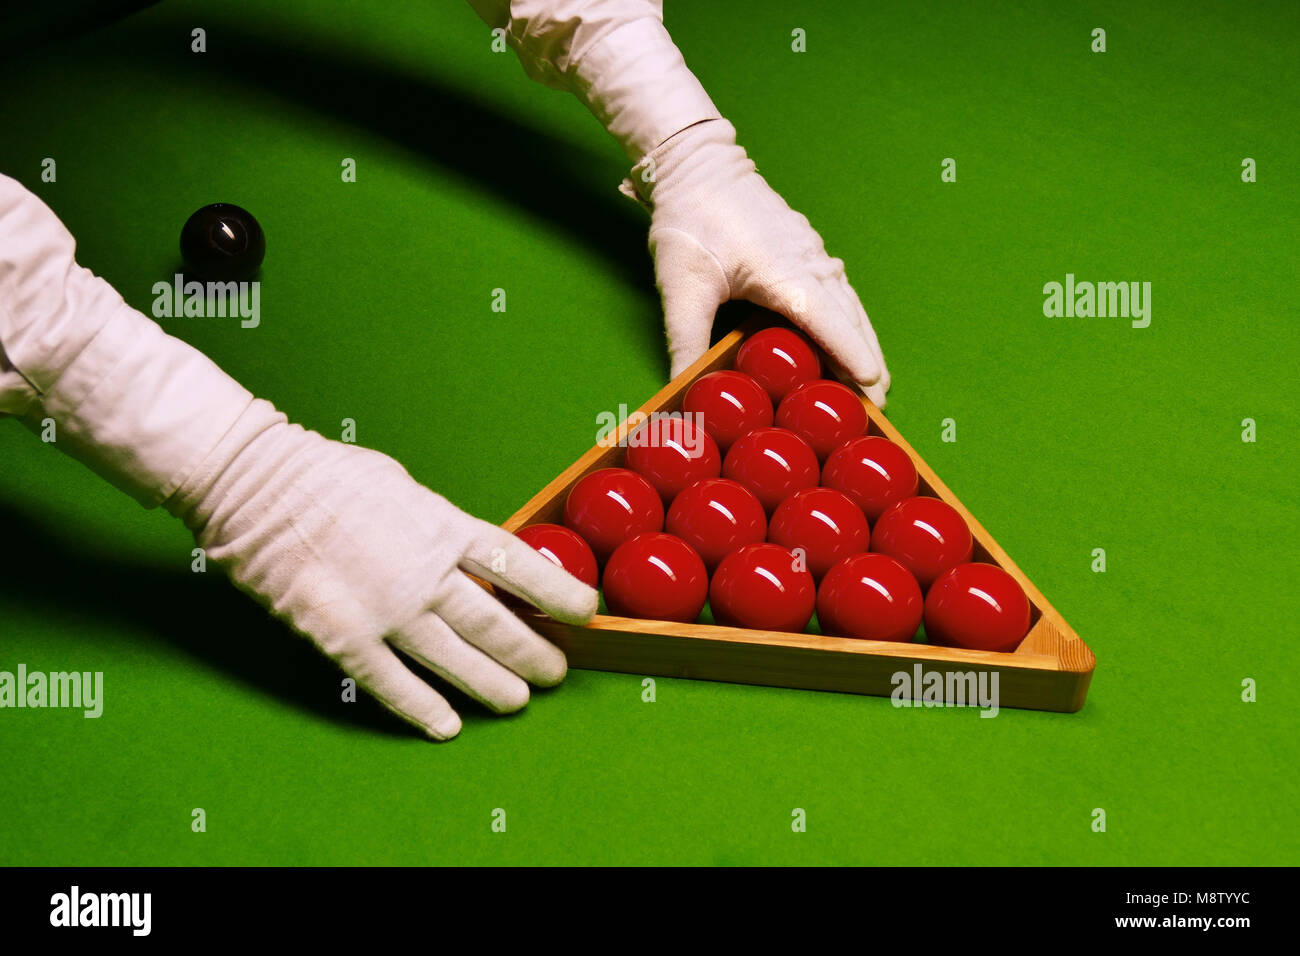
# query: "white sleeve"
(140, 407)
(614, 55)
(49, 311)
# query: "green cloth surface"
(1072, 433)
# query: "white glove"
(336, 539)
(719, 232)
(344, 545)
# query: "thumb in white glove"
(719, 232)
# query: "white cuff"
(637, 84)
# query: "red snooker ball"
(773, 463)
(762, 586)
(926, 535)
(729, 404)
(715, 517)
(672, 453)
(657, 576)
(823, 413)
(778, 359)
(977, 606)
(872, 597)
(563, 547)
(824, 523)
(611, 505)
(874, 472)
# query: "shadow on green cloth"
(202, 614)
(29, 25)
(474, 139)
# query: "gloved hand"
(337, 540)
(350, 550)
(718, 232)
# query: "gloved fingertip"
(874, 392)
(681, 363)
(445, 728)
(866, 371)
(578, 606)
(856, 362)
(551, 671)
(510, 698)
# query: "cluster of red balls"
(767, 499)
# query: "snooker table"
(1072, 433)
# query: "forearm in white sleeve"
(615, 56)
(337, 540)
(140, 407)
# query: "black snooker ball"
(222, 242)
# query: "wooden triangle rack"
(1050, 670)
